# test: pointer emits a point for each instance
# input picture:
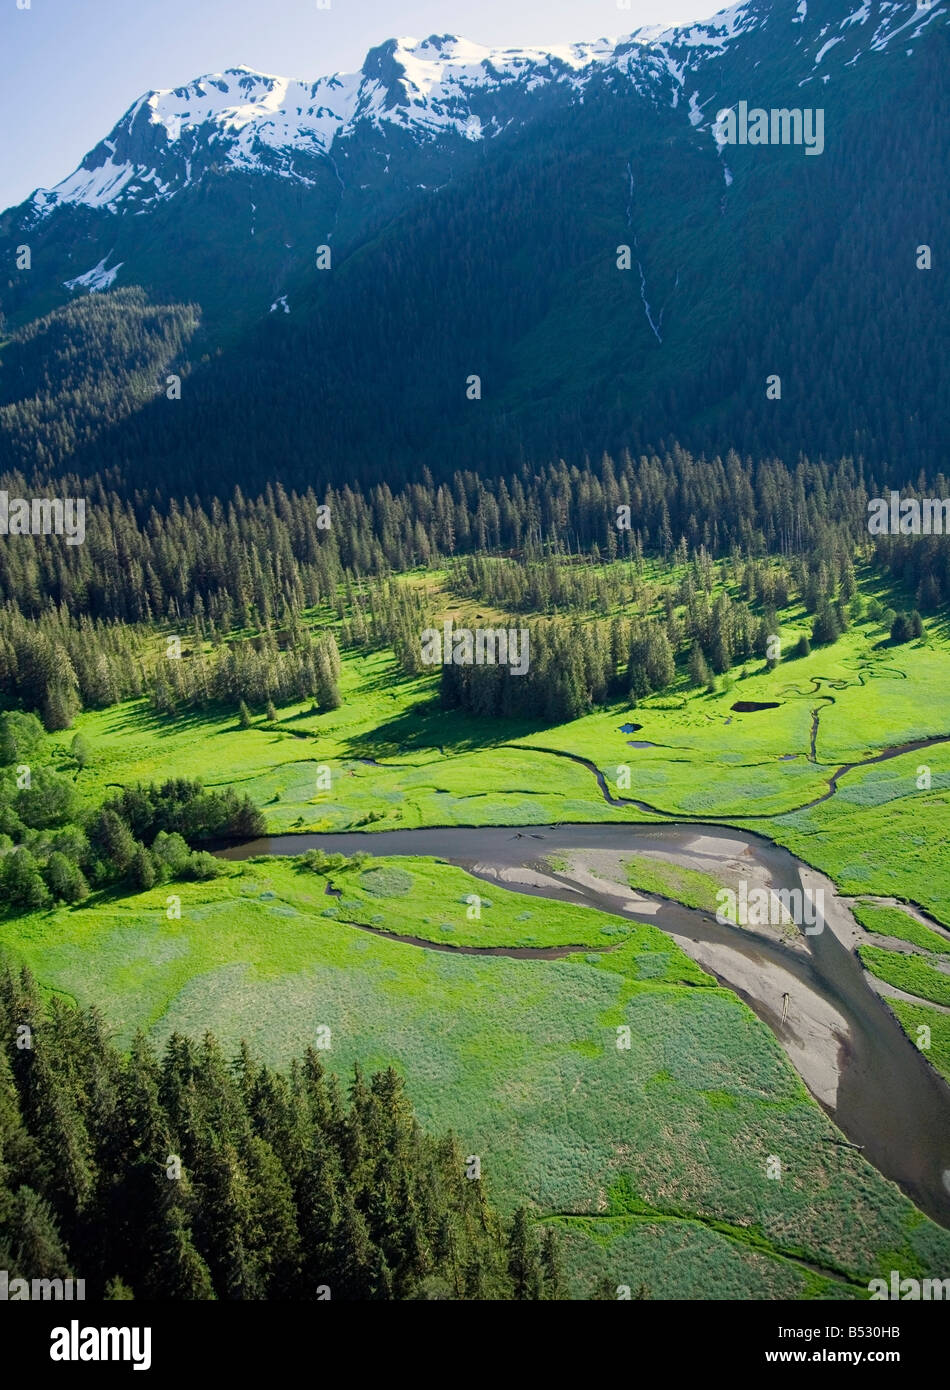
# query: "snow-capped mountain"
(573, 226)
(445, 87)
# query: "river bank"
(838, 1033)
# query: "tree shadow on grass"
(428, 728)
(123, 894)
(147, 720)
(938, 625)
(158, 724)
(393, 680)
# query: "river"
(888, 1099)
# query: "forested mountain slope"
(473, 204)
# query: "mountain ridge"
(441, 85)
(503, 258)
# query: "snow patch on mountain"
(96, 279)
(824, 49)
(95, 187)
(442, 87)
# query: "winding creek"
(917, 746)
(885, 1097)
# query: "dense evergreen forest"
(94, 362)
(147, 557)
(182, 1176)
(505, 265)
(53, 848)
(232, 582)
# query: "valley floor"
(696, 1160)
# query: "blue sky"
(70, 68)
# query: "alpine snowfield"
(444, 87)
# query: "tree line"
(57, 666)
(239, 587)
(184, 1176)
(55, 850)
(713, 617)
(245, 562)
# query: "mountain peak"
(445, 87)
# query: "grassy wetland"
(633, 1152)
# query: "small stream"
(890, 1100)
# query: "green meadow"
(908, 973)
(894, 922)
(635, 1150)
(389, 757)
(935, 1042)
(650, 1159)
(684, 885)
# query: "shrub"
(901, 628)
(202, 865)
(387, 883)
(80, 750)
(142, 870)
